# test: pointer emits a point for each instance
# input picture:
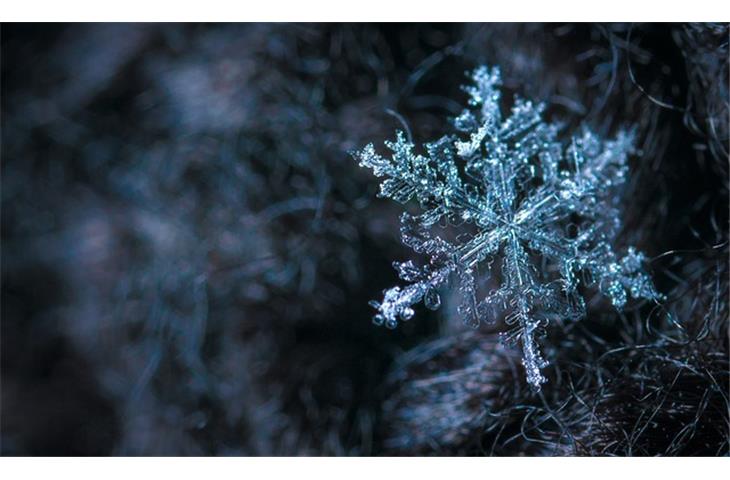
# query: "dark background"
(188, 248)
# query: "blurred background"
(188, 247)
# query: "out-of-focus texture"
(188, 249)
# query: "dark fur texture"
(188, 249)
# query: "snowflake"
(511, 191)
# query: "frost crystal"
(513, 192)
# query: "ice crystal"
(513, 192)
